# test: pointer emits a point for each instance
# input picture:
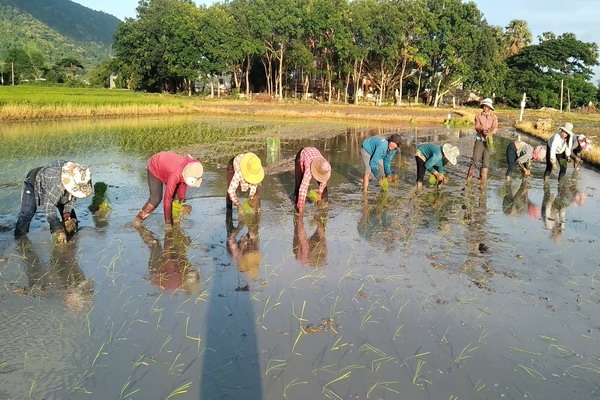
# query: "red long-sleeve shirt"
(168, 168)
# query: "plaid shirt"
(50, 192)
(307, 156)
(238, 180)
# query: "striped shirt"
(307, 155)
(238, 180)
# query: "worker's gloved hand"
(526, 172)
(71, 225)
(60, 237)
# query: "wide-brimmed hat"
(585, 142)
(192, 174)
(320, 169)
(450, 152)
(77, 179)
(487, 102)
(567, 127)
(252, 169)
(249, 263)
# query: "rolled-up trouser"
(366, 164)
(481, 153)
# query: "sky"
(558, 16)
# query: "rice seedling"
(339, 378)
(293, 383)
(125, 387)
(418, 380)
(383, 385)
(31, 388)
(180, 390)
(479, 386)
(78, 387)
(273, 365)
(331, 394)
(525, 351)
(531, 372)
(464, 354)
(99, 353)
(583, 367)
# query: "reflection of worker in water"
(245, 251)
(168, 265)
(517, 202)
(62, 275)
(310, 251)
(375, 220)
(554, 209)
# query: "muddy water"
(483, 293)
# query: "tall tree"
(518, 36)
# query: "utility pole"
(562, 82)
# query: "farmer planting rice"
(53, 187)
(377, 154)
(433, 158)
(520, 154)
(309, 164)
(558, 150)
(177, 173)
(578, 146)
(486, 125)
(245, 171)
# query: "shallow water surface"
(481, 292)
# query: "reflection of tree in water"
(554, 208)
(245, 251)
(61, 276)
(168, 265)
(310, 250)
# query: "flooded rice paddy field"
(483, 293)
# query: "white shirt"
(558, 145)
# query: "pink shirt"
(486, 122)
(168, 168)
(307, 156)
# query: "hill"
(58, 29)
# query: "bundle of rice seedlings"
(385, 184)
(432, 180)
(312, 196)
(247, 207)
(176, 208)
(100, 201)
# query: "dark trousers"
(29, 206)
(511, 158)
(230, 172)
(156, 190)
(420, 169)
(561, 159)
(298, 175)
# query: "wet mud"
(475, 291)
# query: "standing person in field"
(433, 158)
(245, 171)
(377, 154)
(54, 187)
(558, 150)
(486, 125)
(519, 155)
(309, 164)
(177, 173)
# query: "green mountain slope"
(57, 28)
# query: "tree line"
(340, 50)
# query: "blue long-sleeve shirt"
(434, 156)
(377, 147)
